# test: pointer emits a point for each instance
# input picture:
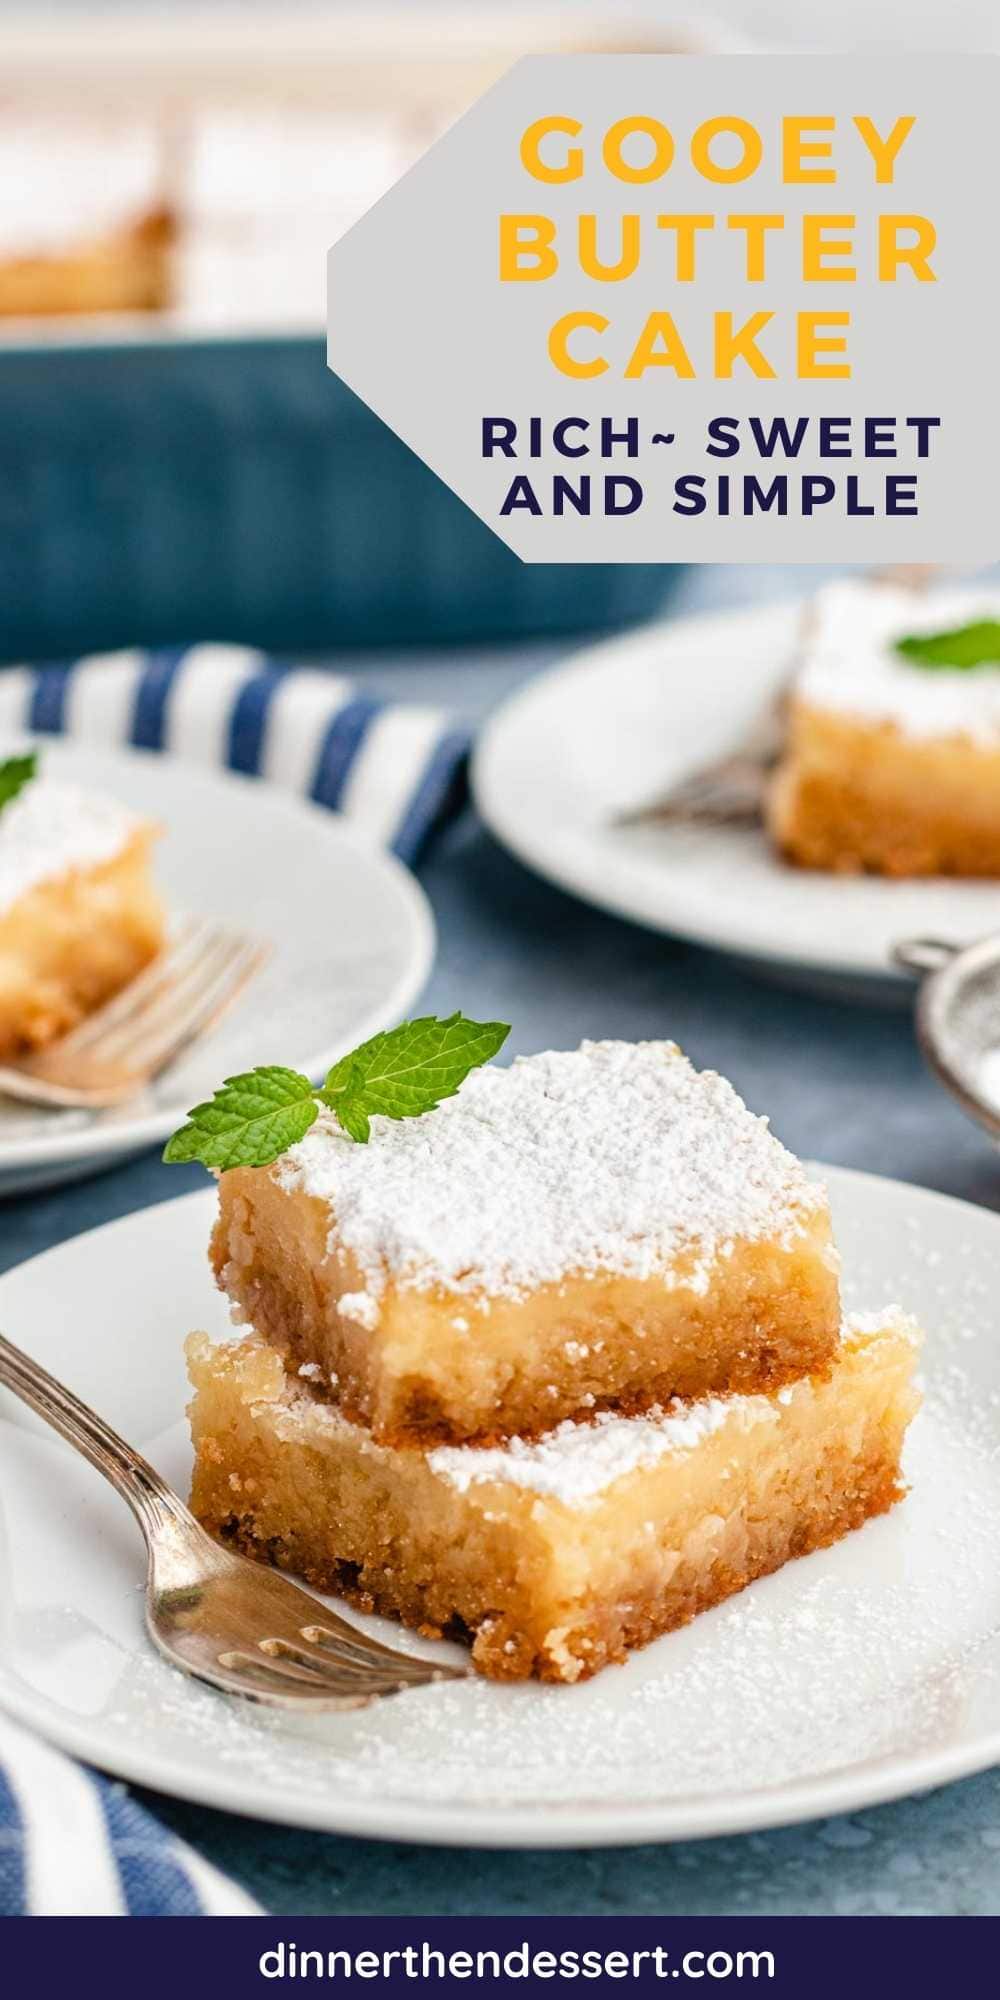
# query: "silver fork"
(217, 1616)
(731, 790)
(132, 1039)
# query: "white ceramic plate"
(350, 932)
(613, 728)
(859, 1674)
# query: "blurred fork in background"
(118, 1050)
(730, 790)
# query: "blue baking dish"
(158, 490)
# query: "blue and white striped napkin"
(73, 1844)
(396, 769)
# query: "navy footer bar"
(797, 1956)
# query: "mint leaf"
(249, 1122)
(254, 1118)
(967, 646)
(15, 773)
(408, 1070)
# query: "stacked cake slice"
(554, 1366)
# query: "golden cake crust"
(856, 794)
(769, 1312)
(127, 270)
(75, 939)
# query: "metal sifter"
(958, 1018)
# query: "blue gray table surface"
(842, 1083)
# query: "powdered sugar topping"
(576, 1462)
(50, 828)
(852, 667)
(617, 1157)
(865, 1326)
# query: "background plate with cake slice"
(882, 822)
(858, 1673)
(103, 851)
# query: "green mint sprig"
(964, 647)
(250, 1120)
(254, 1118)
(15, 773)
(408, 1070)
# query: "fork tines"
(171, 1001)
(320, 1661)
(129, 1041)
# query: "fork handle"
(152, 1501)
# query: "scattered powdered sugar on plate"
(852, 667)
(617, 1157)
(867, 1652)
(50, 828)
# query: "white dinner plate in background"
(861, 1673)
(613, 727)
(350, 933)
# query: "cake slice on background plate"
(892, 763)
(79, 913)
